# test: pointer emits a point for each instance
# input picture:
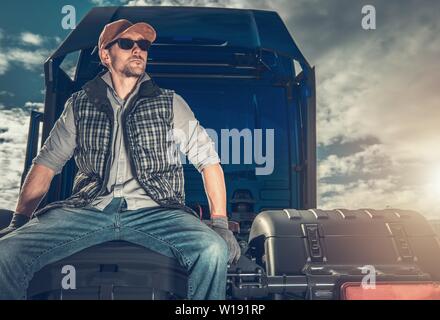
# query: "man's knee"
(215, 247)
(8, 250)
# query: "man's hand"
(34, 188)
(214, 181)
(220, 225)
(18, 220)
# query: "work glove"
(18, 220)
(220, 225)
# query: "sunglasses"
(127, 44)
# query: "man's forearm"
(34, 188)
(214, 182)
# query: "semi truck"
(237, 69)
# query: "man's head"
(119, 51)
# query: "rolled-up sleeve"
(61, 142)
(192, 138)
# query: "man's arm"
(194, 141)
(192, 138)
(61, 142)
(57, 149)
(34, 188)
(196, 144)
(55, 152)
(214, 182)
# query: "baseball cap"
(117, 29)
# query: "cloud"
(5, 93)
(30, 60)
(373, 178)
(4, 63)
(372, 160)
(37, 106)
(381, 84)
(16, 51)
(13, 138)
(12, 153)
(32, 39)
(364, 91)
(379, 193)
(23, 57)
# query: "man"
(127, 187)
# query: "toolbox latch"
(312, 234)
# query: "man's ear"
(104, 55)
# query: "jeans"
(61, 232)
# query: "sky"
(378, 110)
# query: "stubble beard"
(129, 71)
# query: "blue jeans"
(61, 232)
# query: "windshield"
(262, 162)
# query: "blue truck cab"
(238, 70)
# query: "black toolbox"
(311, 253)
(115, 270)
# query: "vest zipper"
(125, 134)
(107, 157)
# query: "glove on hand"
(220, 225)
(18, 220)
